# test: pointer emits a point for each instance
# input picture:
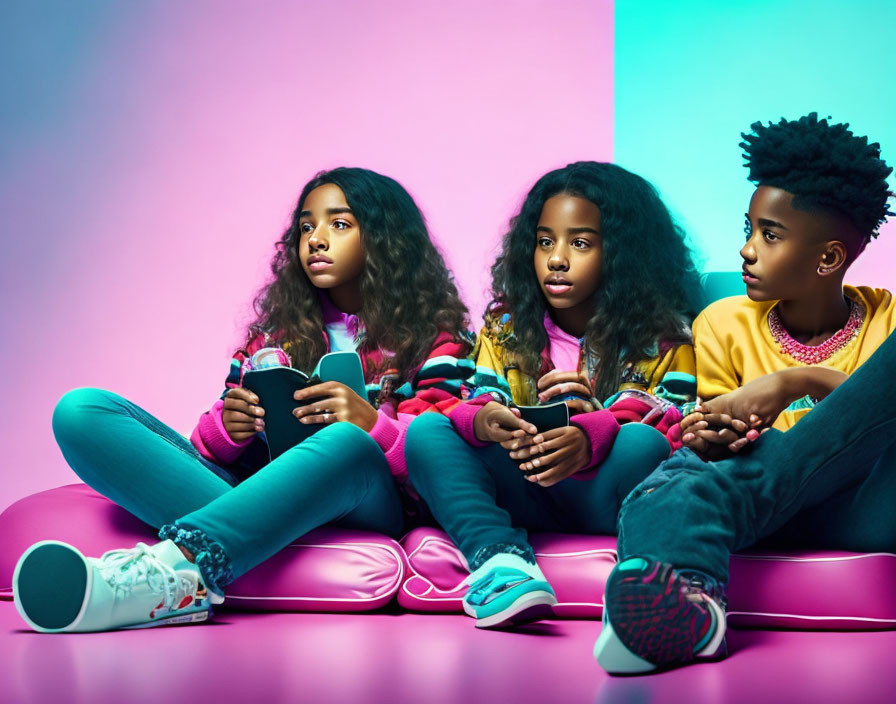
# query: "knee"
(74, 415)
(423, 429)
(419, 441)
(348, 438)
(639, 449)
(643, 441)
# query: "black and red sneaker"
(658, 617)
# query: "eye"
(544, 241)
(770, 236)
(581, 244)
(341, 224)
(305, 228)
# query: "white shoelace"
(125, 569)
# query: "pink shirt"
(563, 348)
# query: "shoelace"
(699, 584)
(490, 584)
(125, 569)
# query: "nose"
(748, 252)
(317, 240)
(558, 261)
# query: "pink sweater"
(393, 418)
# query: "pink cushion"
(811, 590)
(327, 570)
(577, 567)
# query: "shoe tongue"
(168, 552)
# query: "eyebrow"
(330, 211)
(571, 230)
(764, 222)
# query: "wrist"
(816, 382)
(369, 420)
(480, 421)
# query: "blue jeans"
(482, 500)
(339, 475)
(827, 483)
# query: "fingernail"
(687, 436)
(535, 463)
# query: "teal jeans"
(230, 522)
(482, 500)
(827, 483)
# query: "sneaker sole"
(51, 583)
(652, 620)
(529, 607)
(175, 620)
(612, 655)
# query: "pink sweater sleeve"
(211, 439)
(601, 428)
(389, 433)
(462, 416)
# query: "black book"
(275, 387)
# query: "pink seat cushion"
(577, 567)
(811, 590)
(327, 570)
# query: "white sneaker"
(56, 589)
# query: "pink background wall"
(155, 151)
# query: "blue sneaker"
(506, 590)
(56, 589)
(658, 617)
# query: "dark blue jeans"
(827, 483)
(481, 498)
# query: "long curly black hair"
(649, 288)
(408, 294)
(825, 166)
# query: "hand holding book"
(332, 401)
(334, 392)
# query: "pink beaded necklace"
(814, 354)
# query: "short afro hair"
(825, 167)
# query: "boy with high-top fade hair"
(764, 362)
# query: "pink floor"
(381, 657)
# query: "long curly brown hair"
(408, 294)
(650, 284)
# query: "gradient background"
(150, 154)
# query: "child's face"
(330, 246)
(784, 247)
(569, 252)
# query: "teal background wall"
(691, 75)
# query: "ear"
(833, 258)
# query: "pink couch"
(343, 571)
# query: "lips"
(319, 262)
(557, 285)
(748, 277)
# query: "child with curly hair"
(800, 353)
(592, 297)
(355, 270)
